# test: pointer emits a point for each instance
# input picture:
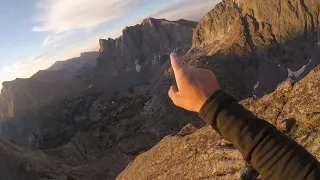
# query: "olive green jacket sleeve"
(274, 155)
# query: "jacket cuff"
(214, 105)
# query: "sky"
(36, 33)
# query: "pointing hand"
(194, 86)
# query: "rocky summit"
(112, 118)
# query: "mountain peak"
(148, 20)
(183, 22)
(148, 40)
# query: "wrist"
(214, 105)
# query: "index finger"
(176, 64)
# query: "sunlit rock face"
(152, 38)
(250, 41)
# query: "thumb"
(173, 93)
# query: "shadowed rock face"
(21, 163)
(21, 96)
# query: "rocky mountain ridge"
(68, 70)
(145, 44)
(20, 96)
(87, 59)
(140, 53)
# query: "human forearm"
(269, 151)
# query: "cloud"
(40, 58)
(58, 39)
(26, 68)
(186, 9)
(63, 15)
(61, 18)
(14, 67)
(67, 21)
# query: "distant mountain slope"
(66, 71)
(86, 60)
(20, 96)
(28, 105)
